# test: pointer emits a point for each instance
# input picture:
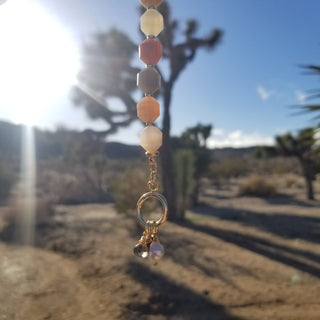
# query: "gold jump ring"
(164, 204)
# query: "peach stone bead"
(151, 139)
(150, 51)
(151, 22)
(150, 3)
(148, 109)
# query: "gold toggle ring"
(164, 204)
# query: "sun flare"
(38, 61)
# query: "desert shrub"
(241, 167)
(230, 168)
(277, 165)
(265, 152)
(23, 215)
(257, 185)
(127, 187)
(78, 183)
(7, 181)
(291, 180)
(43, 209)
(81, 174)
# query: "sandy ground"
(234, 258)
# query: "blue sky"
(245, 87)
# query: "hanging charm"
(148, 110)
(149, 245)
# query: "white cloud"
(218, 132)
(264, 93)
(238, 139)
(301, 96)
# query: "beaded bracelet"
(148, 110)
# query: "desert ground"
(233, 258)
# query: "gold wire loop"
(164, 204)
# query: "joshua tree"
(107, 73)
(195, 138)
(303, 147)
(314, 70)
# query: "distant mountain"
(229, 153)
(51, 144)
(116, 150)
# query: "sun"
(38, 61)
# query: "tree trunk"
(196, 193)
(167, 172)
(310, 193)
(307, 169)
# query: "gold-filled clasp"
(164, 205)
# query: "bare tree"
(303, 147)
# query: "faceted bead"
(151, 139)
(150, 51)
(156, 250)
(150, 3)
(151, 22)
(149, 80)
(141, 250)
(148, 109)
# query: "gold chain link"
(152, 184)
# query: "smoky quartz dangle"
(141, 250)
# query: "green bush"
(258, 186)
(127, 187)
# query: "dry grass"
(257, 185)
